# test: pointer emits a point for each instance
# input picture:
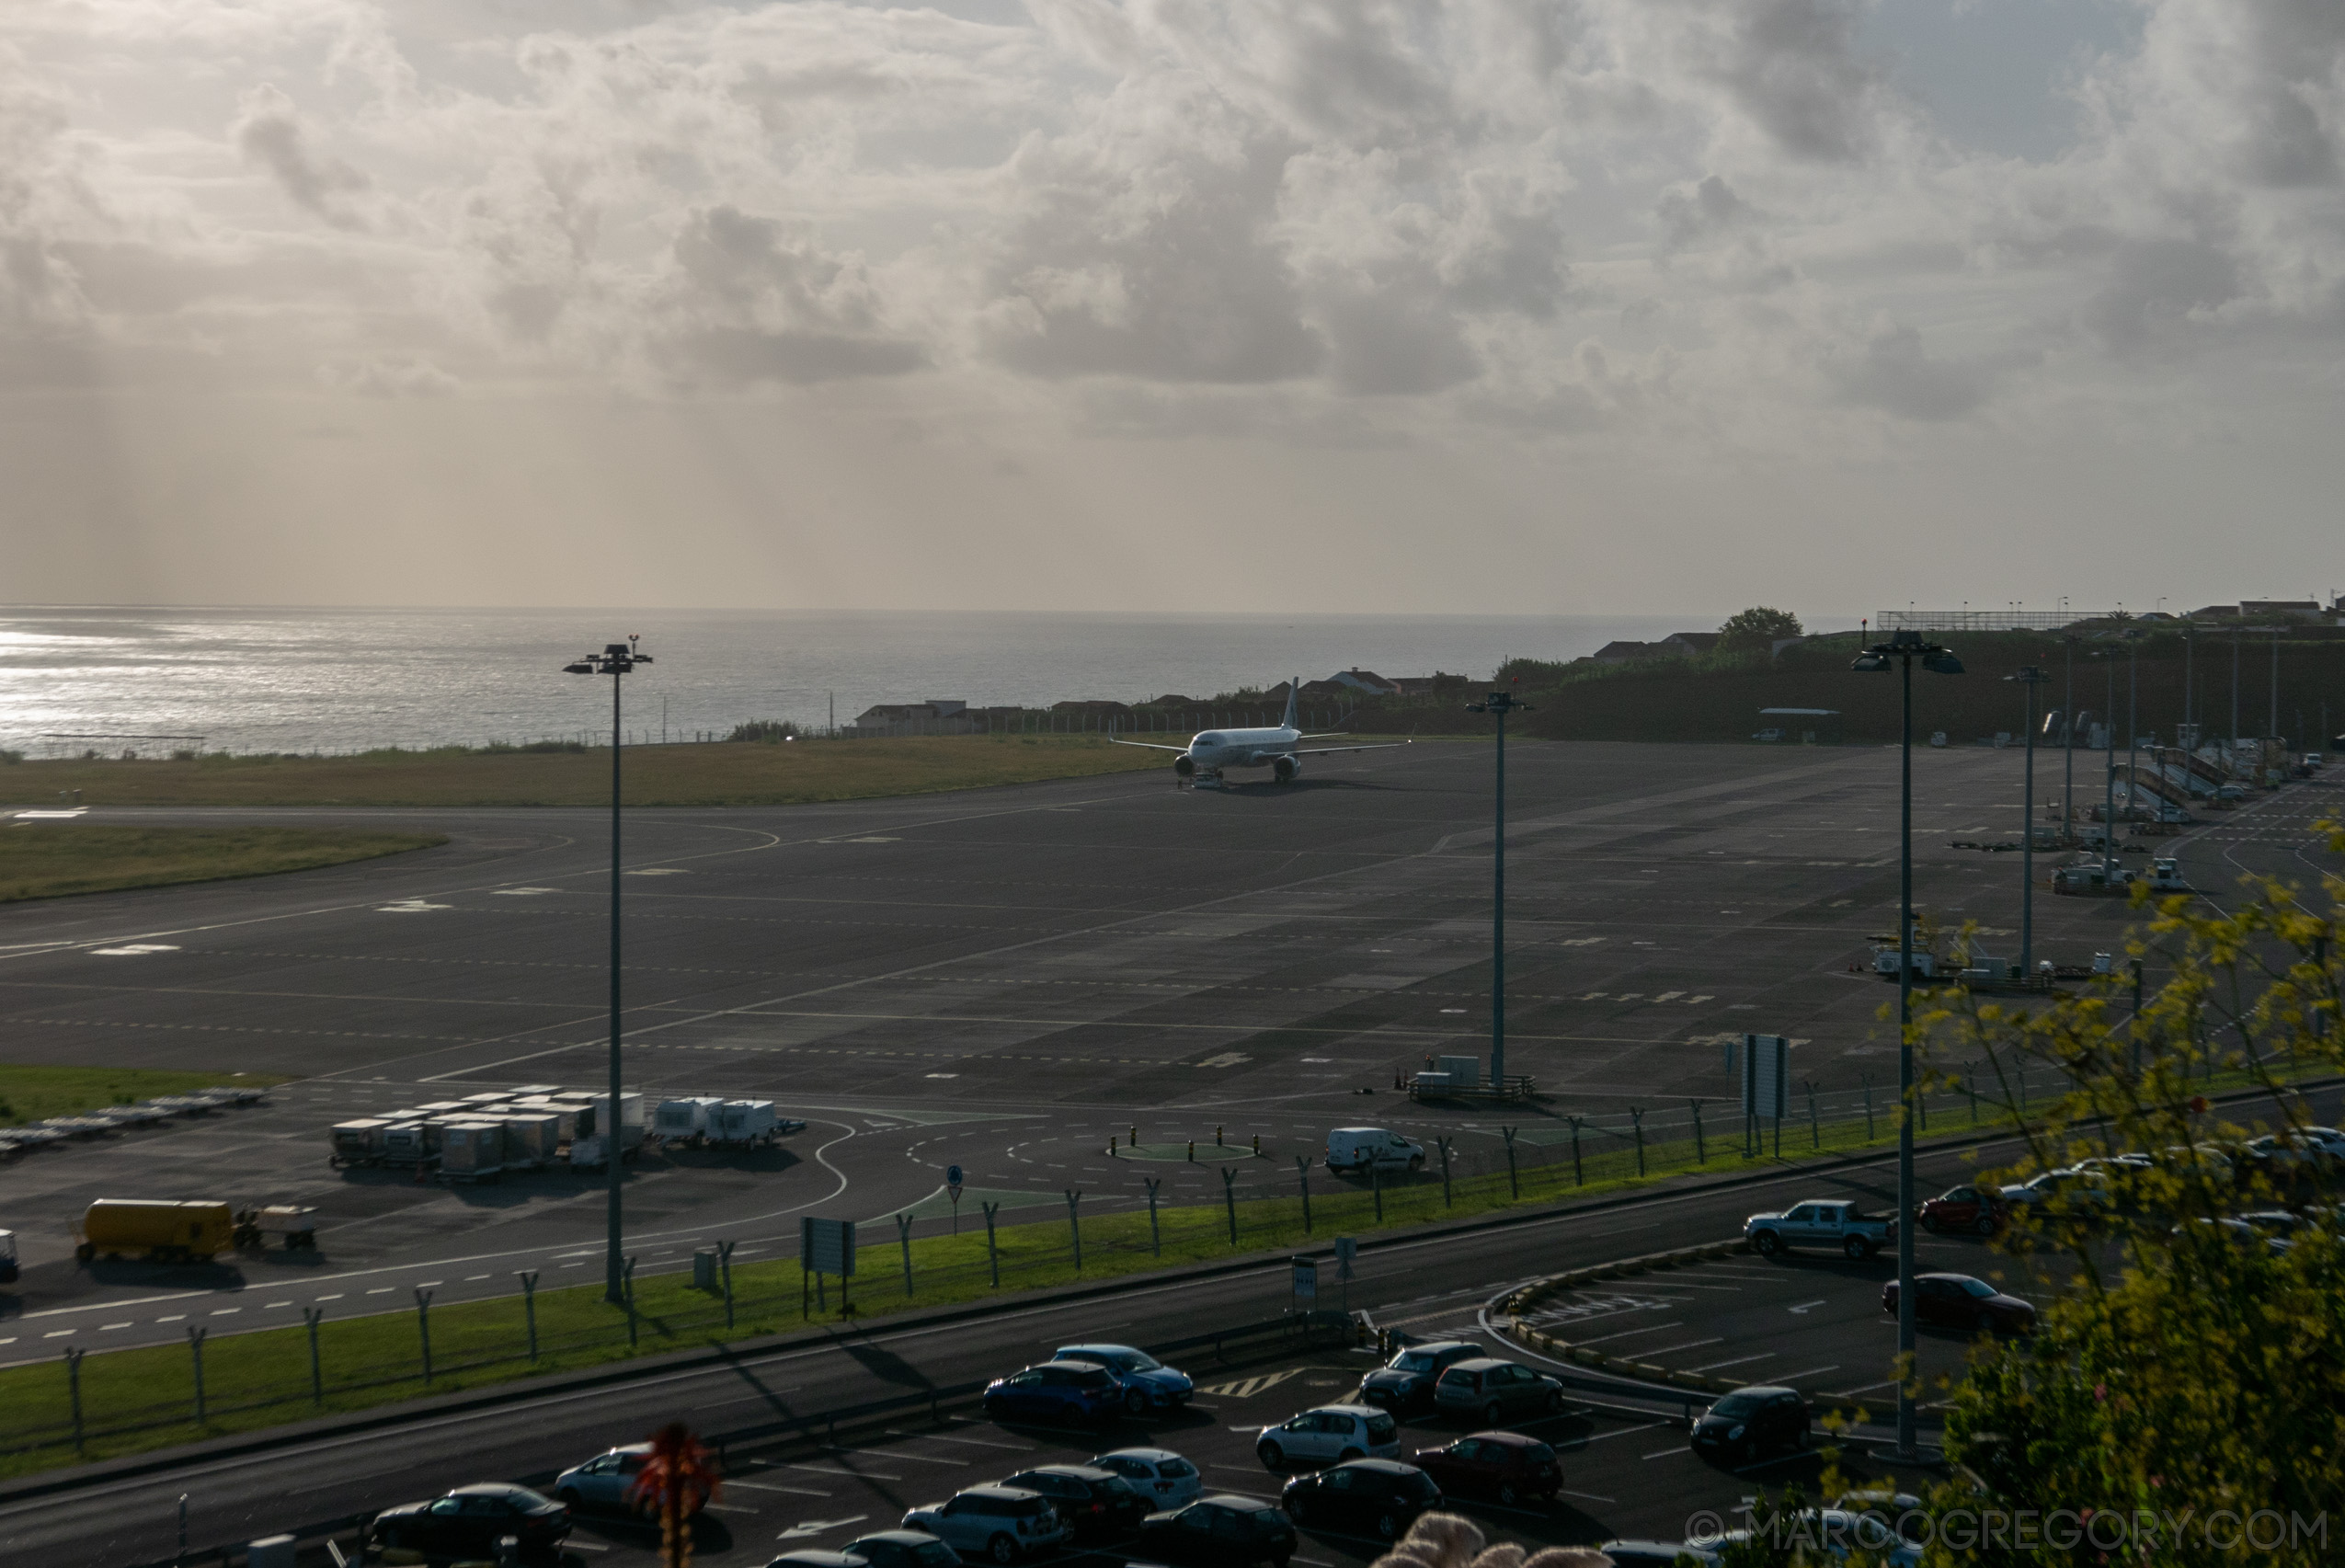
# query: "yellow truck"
(163, 1231)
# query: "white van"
(1355, 1147)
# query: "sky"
(1534, 306)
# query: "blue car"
(1147, 1383)
(1081, 1392)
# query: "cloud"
(1890, 372)
(389, 378)
(270, 133)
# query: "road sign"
(1346, 1249)
(952, 1181)
(827, 1246)
(1766, 1074)
(1306, 1281)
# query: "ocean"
(154, 681)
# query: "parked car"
(2083, 1192)
(2317, 1148)
(1377, 1497)
(1148, 1384)
(903, 1548)
(1358, 1147)
(1751, 1421)
(603, 1481)
(1978, 1210)
(1834, 1223)
(815, 1557)
(1329, 1434)
(1083, 1392)
(1506, 1466)
(1839, 1533)
(1160, 1474)
(1220, 1532)
(1959, 1301)
(471, 1520)
(1092, 1502)
(1659, 1554)
(1405, 1384)
(1494, 1390)
(1001, 1523)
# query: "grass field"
(36, 1093)
(48, 859)
(723, 774)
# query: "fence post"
(529, 1305)
(1579, 1178)
(423, 1328)
(991, 1255)
(904, 1236)
(1514, 1182)
(1701, 1150)
(1815, 1130)
(1075, 1224)
(1303, 1180)
(627, 1279)
(74, 1381)
(724, 1272)
(182, 1555)
(1229, 1199)
(1637, 1116)
(1971, 1082)
(1376, 1185)
(313, 1316)
(1155, 1242)
(195, 1348)
(1867, 1077)
(1443, 1144)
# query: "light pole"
(1498, 706)
(2109, 768)
(1904, 647)
(2133, 709)
(615, 660)
(2068, 746)
(2030, 677)
(2231, 743)
(2190, 683)
(2275, 682)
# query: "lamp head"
(1943, 662)
(1871, 663)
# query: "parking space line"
(1626, 1332)
(1689, 1344)
(1591, 1497)
(1664, 1453)
(769, 1486)
(980, 1442)
(907, 1454)
(1811, 1371)
(1736, 1362)
(839, 1473)
(1625, 1431)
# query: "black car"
(1377, 1497)
(903, 1548)
(471, 1520)
(1093, 1502)
(1751, 1421)
(1957, 1300)
(1405, 1384)
(1507, 1466)
(1220, 1531)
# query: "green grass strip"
(49, 860)
(36, 1093)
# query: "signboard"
(1346, 1249)
(1767, 1075)
(1306, 1279)
(827, 1246)
(953, 1181)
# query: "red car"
(1505, 1466)
(1978, 1210)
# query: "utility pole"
(2231, 741)
(2275, 682)
(2109, 773)
(2068, 745)
(2030, 678)
(1498, 706)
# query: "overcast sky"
(1533, 306)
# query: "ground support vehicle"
(1833, 1223)
(162, 1231)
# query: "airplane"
(1209, 751)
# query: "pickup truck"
(1823, 1222)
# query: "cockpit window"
(1206, 740)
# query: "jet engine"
(1185, 766)
(1286, 769)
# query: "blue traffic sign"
(952, 1175)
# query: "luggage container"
(490, 1101)
(631, 1113)
(357, 1143)
(161, 1230)
(404, 1144)
(443, 1108)
(532, 1137)
(536, 1091)
(566, 1119)
(472, 1151)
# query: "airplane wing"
(1331, 750)
(1148, 744)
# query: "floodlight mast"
(615, 660)
(1498, 706)
(1904, 647)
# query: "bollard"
(1155, 1242)
(529, 1305)
(1216, 1135)
(1136, 1135)
(1230, 1197)
(1075, 1224)
(74, 1381)
(1257, 1144)
(313, 1316)
(1514, 1182)
(904, 1235)
(182, 1555)
(1193, 1151)
(1303, 1180)
(992, 1256)
(195, 1348)
(423, 1328)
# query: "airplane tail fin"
(1294, 689)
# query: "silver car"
(1157, 1474)
(1329, 1434)
(603, 1481)
(1001, 1523)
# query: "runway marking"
(134, 950)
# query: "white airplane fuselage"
(1210, 750)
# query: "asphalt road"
(1001, 979)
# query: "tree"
(1757, 627)
(2183, 1400)
(677, 1478)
